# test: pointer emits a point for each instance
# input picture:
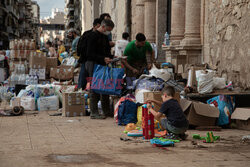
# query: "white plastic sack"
(50, 103)
(28, 103)
(205, 81)
(219, 83)
(139, 95)
(120, 46)
(160, 73)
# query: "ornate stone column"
(178, 21)
(139, 16)
(150, 20)
(192, 23)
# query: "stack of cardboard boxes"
(37, 65)
(20, 51)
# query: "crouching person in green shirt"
(135, 52)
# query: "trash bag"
(226, 105)
(107, 80)
(127, 113)
(160, 73)
(148, 83)
(205, 81)
(219, 83)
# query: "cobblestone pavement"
(37, 139)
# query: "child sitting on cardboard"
(175, 122)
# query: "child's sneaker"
(172, 136)
(183, 136)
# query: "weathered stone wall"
(86, 15)
(227, 39)
(133, 19)
(117, 10)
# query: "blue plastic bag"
(226, 105)
(127, 113)
(107, 80)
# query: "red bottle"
(147, 123)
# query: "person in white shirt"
(121, 45)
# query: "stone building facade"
(226, 43)
(57, 18)
(214, 32)
(133, 16)
(17, 20)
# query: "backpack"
(127, 112)
(82, 46)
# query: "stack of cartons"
(37, 65)
(51, 62)
(20, 50)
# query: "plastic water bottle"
(166, 39)
(12, 80)
(27, 80)
(15, 79)
(32, 80)
(22, 69)
(35, 80)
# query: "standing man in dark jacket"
(82, 50)
(99, 52)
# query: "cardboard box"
(39, 72)
(157, 96)
(15, 101)
(62, 73)
(199, 114)
(73, 104)
(37, 60)
(242, 117)
(51, 62)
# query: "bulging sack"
(160, 73)
(219, 83)
(205, 81)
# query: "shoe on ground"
(172, 136)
